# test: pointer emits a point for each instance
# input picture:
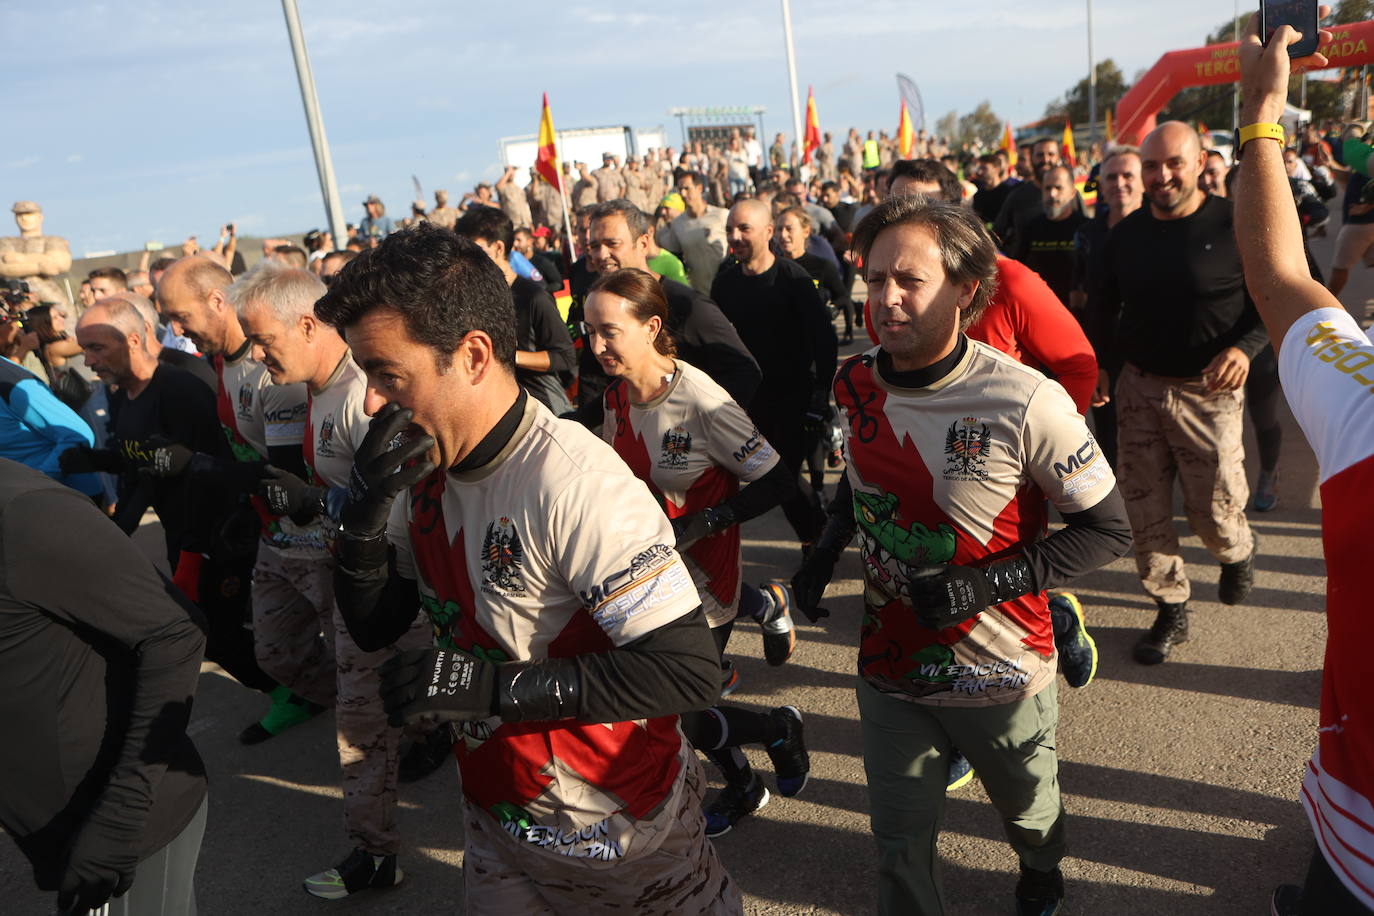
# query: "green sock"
(287, 710)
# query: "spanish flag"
(906, 137)
(1008, 145)
(813, 127)
(546, 164)
(1070, 156)
(1111, 130)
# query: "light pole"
(1092, 82)
(324, 163)
(791, 77)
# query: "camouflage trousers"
(301, 640)
(1171, 429)
(682, 874)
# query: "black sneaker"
(791, 763)
(426, 755)
(1169, 629)
(1039, 893)
(1077, 650)
(960, 771)
(1286, 901)
(1238, 577)
(361, 871)
(733, 803)
(729, 678)
(779, 636)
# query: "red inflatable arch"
(1350, 46)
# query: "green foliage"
(980, 125)
(1111, 86)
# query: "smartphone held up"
(1300, 14)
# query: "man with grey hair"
(275, 305)
(953, 450)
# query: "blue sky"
(154, 120)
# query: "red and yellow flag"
(1070, 155)
(812, 140)
(546, 164)
(1008, 145)
(1111, 130)
(906, 137)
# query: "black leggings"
(1262, 395)
(785, 428)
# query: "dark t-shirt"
(827, 279)
(197, 366)
(174, 406)
(779, 316)
(1354, 189)
(987, 203)
(1173, 293)
(1049, 250)
(538, 326)
(548, 269)
(1023, 204)
(99, 658)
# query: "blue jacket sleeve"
(36, 407)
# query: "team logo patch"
(677, 445)
(503, 556)
(245, 401)
(967, 443)
(325, 446)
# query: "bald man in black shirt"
(1175, 316)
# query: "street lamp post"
(791, 76)
(1092, 82)
(324, 163)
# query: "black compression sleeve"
(589, 414)
(377, 605)
(674, 669)
(772, 489)
(1089, 539)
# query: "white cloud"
(24, 162)
(75, 158)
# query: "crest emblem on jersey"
(677, 445)
(246, 401)
(967, 443)
(503, 556)
(326, 444)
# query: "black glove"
(809, 582)
(158, 456)
(441, 684)
(97, 868)
(945, 596)
(379, 472)
(287, 494)
(819, 413)
(83, 459)
(688, 529)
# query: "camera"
(13, 293)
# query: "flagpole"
(567, 209)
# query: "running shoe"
(779, 636)
(287, 710)
(1039, 893)
(729, 678)
(1077, 650)
(960, 771)
(426, 755)
(791, 763)
(1266, 491)
(361, 871)
(733, 803)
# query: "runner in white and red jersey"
(275, 305)
(1326, 364)
(685, 437)
(262, 423)
(569, 633)
(952, 450)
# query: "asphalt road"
(1181, 780)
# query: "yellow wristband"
(1266, 131)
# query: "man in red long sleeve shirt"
(1026, 321)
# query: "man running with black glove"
(275, 305)
(569, 632)
(262, 422)
(952, 449)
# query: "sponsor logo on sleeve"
(1083, 470)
